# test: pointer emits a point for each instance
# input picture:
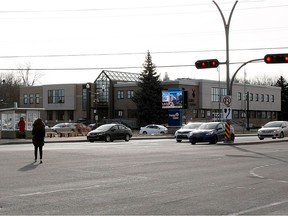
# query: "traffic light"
(276, 58)
(208, 63)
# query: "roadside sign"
(227, 100)
(227, 113)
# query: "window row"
(31, 98)
(255, 97)
(129, 93)
(236, 114)
(217, 95)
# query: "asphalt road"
(144, 177)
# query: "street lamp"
(227, 27)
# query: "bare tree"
(27, 76)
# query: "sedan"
(273, 129)
(153, 129)
(110, 132)
(211, 132)
(184, 131)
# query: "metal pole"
(234, 75)
(227, 27)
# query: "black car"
(211, 132)
(110, 132)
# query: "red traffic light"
(276, 58)
(208, 63)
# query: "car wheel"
(91, 141)
(214, 140)
(144, 132)
(193, 142)
(178, 140)
(261, 138)
(281, 135)
(108, 138)
(161, 132)
(127, 137)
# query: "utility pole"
(227, 27)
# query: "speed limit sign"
(227, 100)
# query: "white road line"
(248, 211)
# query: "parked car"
(184, 131)
(273, 129)
(110, 132)
(153, 129)
(211, 132)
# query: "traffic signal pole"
(227, 27)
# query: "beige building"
(109, 98)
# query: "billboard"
(172, 99)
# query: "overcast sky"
(93, 35)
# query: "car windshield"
(191, 126)
(273, 124)
(208, 126)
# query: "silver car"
(273, 129)
(184, 131)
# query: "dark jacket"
(38, 132)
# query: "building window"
(56, 96)
(202, 113)
(84, 99)
(49, 115)
(37, 98)
(60, 115)
(239, 96)
(251, 97)
(217, 94)
(25, 99)
(267, 98)
(236, 114)
(256, 97)
(31, 98)
(262, 97)
(130, 94)
(70, 115)
(118, 113)
(272, 98)
(195, 113)
(120, 94)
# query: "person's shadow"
(29, 167)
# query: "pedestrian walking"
(38, 133)
(21, 126)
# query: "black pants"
(36, 151)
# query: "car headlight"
(176, 133)
(210, 133)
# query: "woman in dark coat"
(38, 133)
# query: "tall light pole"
(227, 27)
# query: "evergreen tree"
(281, 82)
(148, 98)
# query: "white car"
(273, 129)
(153, 129)
(184, 131)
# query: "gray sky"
(116, 35)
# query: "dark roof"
(118, 76)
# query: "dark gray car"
(211, 132)
(110, 132)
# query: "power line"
(142, 53)
(108, 68)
